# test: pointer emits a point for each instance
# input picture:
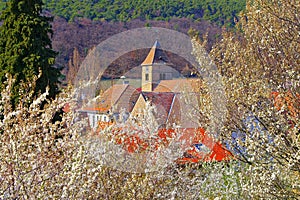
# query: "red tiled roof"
(162, 102)
(133, 143)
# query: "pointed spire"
(156, 55)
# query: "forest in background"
(73, 40)
(221, 12)
(80, 25)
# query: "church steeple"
(156, 56)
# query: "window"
(94, 120)
(162, 76)
(147, 77)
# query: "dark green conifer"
(25, 49)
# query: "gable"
(161, 101)
(127, 100)
(139, 106)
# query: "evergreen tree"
(25, 49)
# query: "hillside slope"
(74, 39)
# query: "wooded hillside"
(222, 12)
(73, 40)
(81, 24)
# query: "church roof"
(155, 55)
(179, 85)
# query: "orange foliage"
(288, 99)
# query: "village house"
(108, 106)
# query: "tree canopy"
(222, 12)
(25, 49)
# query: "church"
(173, 96)
(176, 101)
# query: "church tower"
(152, 68)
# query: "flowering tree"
(40, 159)
(260, 68)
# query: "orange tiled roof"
(179, 85)
(291, 101)
(119, 96)
(133, 143)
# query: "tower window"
(147, 77)
(162, 76)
